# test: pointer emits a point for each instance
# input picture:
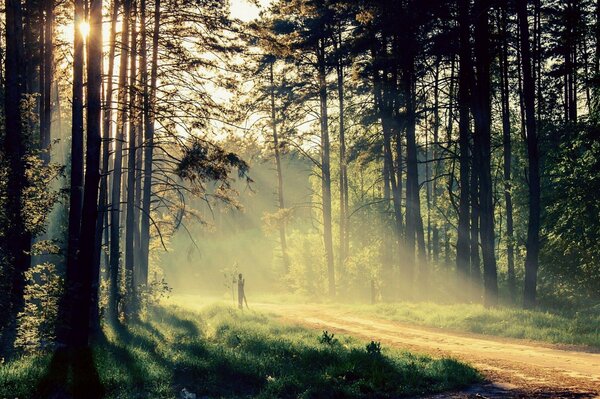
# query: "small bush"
(374, 348)
(327, 338)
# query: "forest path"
(513, 368)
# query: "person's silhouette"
(242, 292)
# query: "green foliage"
(328, 338)
(572, 224)
(224, 353)
(374, 348)
(37, 322)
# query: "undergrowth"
(220, 352)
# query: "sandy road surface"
(513, 368)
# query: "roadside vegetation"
(560, 327)
(221, 352)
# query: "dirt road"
(513, 368)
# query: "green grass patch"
(577, 328)
(220, 352)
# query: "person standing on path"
(242, 293)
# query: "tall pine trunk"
(482, 114)
(507, 144)
(533, 226)
(131, 164)
(464, 84)
(47, 70)
(277, 153)
(115, 223)
(77, 160)
(325, 168)
(84, 294)
(149, 107)
(17, 247)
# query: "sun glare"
(84, 28)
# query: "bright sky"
(245, 10)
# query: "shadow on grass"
(70, 374)
(247, 356)
(223, 353)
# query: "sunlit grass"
(221, 352)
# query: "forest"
(342, 171)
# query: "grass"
(579, 328)
(220, 352)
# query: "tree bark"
(482, 116)
(85, 292)
(344, 239)
(102, 223)
(277, 153)
(464, 99)
(149, 106)
(48, 67)
(130, 226)
(507, 144)
(77, 160)
(325, 168)
(533, 227)
(115, 244)
(18, 246)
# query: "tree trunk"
(507, 143)
(482, 114)
(149, 106)
(17, 248)
(277, 153)
(102, 223)
(48, 66)
(464, 84)
(77, 143)
(435, 231)
(131, 163)
(325, 169)
(344, 239)
(86, 271)
(414, 221)
(533, 227)
(115, 244)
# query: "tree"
(533, 226)
(85, 291)
(482, 116)
(115, 223)
(17, 248)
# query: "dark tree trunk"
(47, 70)
(130, 226)
(482, 114)
(102, 225)
(77, 143)
(507, 144)
(326, 169)
(85, 290)
(414, 221)
(435, 231)
(18, 246)
(277, 153)
(344, 239)
(464, 84)
(149, 106)
(533, 227)
(115, 244)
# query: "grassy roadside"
(220, 352)
(580, 328)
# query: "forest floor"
(512, 368)
(217, 351)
